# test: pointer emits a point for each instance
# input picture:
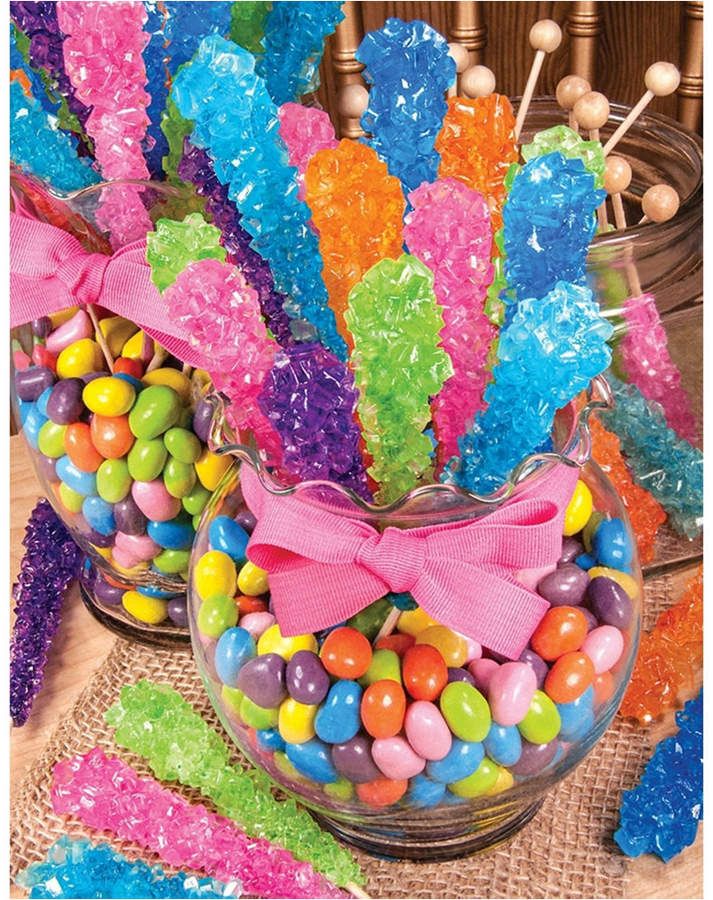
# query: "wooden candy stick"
(661, 79)
(569, 90)
(545, 37)
(459, 55)
(617, 178)
(659, 204)
(477, 81)
(591, 112)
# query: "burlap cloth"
(566, 851)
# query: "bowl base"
(434, 847)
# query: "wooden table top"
(82, 644)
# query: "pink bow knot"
(395, 556)
(83, 276)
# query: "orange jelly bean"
(569, 677)
(381, 791)
(561, 630)
(125, 366)
(399, 643)
(425, 673)
(250, 604)
(111, 435)
(383, 707)
(346, 653)
(80, 449)
(603, 687)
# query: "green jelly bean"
(196, 521)
(172, 562)
(232, 698)
(50, 439)
(588, 531)
(179, 478)
(370, 619)
(385, 666)
(216, 616)
(113, 480)
(71, 499)
(146, 459)
(478, 783)
(257, 716)
(182, 444)
(157, 409)
(185, 420)
(466, 711)
(340, 790)
(542, 721)
(194, 503)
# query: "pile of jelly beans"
(422, 715)
(124, 454)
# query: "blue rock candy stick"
(188, 22)
(154, 54)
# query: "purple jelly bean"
(128, 517)
(30, 383)
(566, 586)
(202, 418)
(178, 611)
(90, 376)
(353, 760)
(262, 679)
(42, 327)
(455, 674)
(65, 404)
(592, 620)
(536, 662)
(99, 540)
(609, 602)
(571, 549)
(534, 758)
(108, 594)
(48, 467)
(247, 520)
(306, 678)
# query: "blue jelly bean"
(84, 483)
(577, 717)
(270, 739)
(402, 601)
(173, 535)
(42, 400)
(586, 561)
(34, 420)
(99, 514)
(24, 407)
(462, 760)
(424, 792)
(611, 544)
(503, 744)
(149, 590)
(134, 382)
(313, 759)
(338, 719)
(227, 536)
(234, 648)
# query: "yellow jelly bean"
(623, 579)
(80, 358)
(214, 575)
(285, 766)
(109, 396)
(579, 509)
(414, 621)
(211, 467)
(272, 641)
(117, 332)
(151, 610)
(295, 721)
(452, 647)
(232, 698)
(502, 783)
(104, 552)
(134, 570)
(71, 499)
(252, 580)
(133, 348)
(172, 378)
(62, 316)
(477, 784)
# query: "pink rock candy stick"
(102, 56)
(107, 795)
(304, 130)
(449, 230)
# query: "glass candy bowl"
(383, 725)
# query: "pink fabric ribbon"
(325, 567)
(51, 271)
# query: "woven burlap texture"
(566, 851)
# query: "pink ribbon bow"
(325, 567)
(51, 271)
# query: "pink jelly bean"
(473, 649)
(511, 688)
(124, 559)
(427, 731)
(140, 545)
(482, 671)
(154, 501)
(396, 759)
(604, 646)
(257, 623)
(74, 329)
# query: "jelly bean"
(42, 402)
(112, 437)
(341, 790)
(234, 649)
(399, 643)
(74, 329)
(80, 449)
(414, 621)
(139, 346)
(286, 769)
(534, 758)
(384, 664)
(383, 708)
(577, 717)
(270, 739)
(109, 396)
(609, 602)
(257, 623)
(182, 444)
(178, 611)
(353, 760)
(31, 426)
(396, 759)
(42, 327)
(216, 615)
(64, 404)
(109, 594)
(503, 782)
(503, 744)
(202, 419)
(150, 591)
(128, 517)
(150, 610)
(424, 671)
(129, 379)
(247, 605)
(536, 663)
(179, 478)
(569, 677)
(61, 316)
(565, 586)
(612, 545)
(296, 721)
(50, 439)
(510, 691)
(586, 562)
(211, 467)
(232, 698)
(124, 366)
(579, 509)
(30, 383)
(562, 629)
(381, 792)
(589, 529)
(99, 514)
(172, 562)
(262, 679)
(195, 502)
(80, 358)
(466, 711)
(252, 580)
(47, 468)
(139, 545)
(542, 722)
(427, 731)
(482, 671)
(124, 561)
(346, 653)
(173, 535)
(604, 686)
(272, 641)
(246, 520)
(84, 483)
(156, 409)
(312, 758)
(623, 579)
(117, 331)
(478, 783)
(146, 459)
(462, 760)
(368, 621)
(226, 535)
(460, 675)
(472, 648)
(171, 378)
(604, 646)
(257, 716)
(154, 501)
(423, 792)
(338, 718)
(70, 498)
(42, 357)
(592, 620)
(306, 678)
(113, 480)
(571, 549)
(450, 645)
